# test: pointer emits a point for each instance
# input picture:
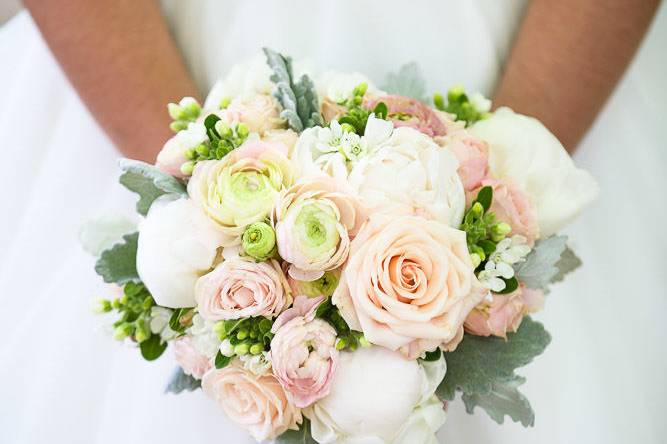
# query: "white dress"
(64, 380)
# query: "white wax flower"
(523, 150)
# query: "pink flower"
(255, 148)
(473, 157)
(188, 357)
(404, 111)
(303, 352)
(408, 284)
(172, 155)
(260, 113)
(238, 288)
(510, 205)
(504, 312)
(259, 404)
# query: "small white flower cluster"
(334, 142)
(509, 251)
(159, 323)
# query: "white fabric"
(64, 380)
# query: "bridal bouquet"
(330, 261)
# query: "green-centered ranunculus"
(259, 241)
(240, 189)
(324, 286)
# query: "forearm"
(567, 59)
(120, 58)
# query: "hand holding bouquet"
(332, 262)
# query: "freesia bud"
(187, 168)
(242, 130)
(102, 306)
(256, 349)
(241, 349)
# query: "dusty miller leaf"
(479, 362)
(179, 382)
(118, 264)
(567, 263)
(148, 182)
(408, 81)
(298, 100)
(101, 234)
(301, 436)
(539, 268)
(503, 399)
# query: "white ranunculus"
(409, 173)
(377, 397)
(338, 86)
(523, 150)
(177, 244)
(244, 79)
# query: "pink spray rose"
(188, 357)
(510, 205)
(303, 352)
(260, 113)
(473, 157)
(404, 111)
(172, 155)
(408, 284)
(239, 288)
(504, 312)
(259, 404)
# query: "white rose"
(338, 86)
(378, 396)
(409, 173)
(177, 244)
(522, 149)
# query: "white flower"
(338, 86)
(226, 348)
(177, 244)
(244, 79)
(508, 252)
(256, 364)
(378, 396)
(205, 339)
(159, 323)
(522, 149)
(480, 103)
(409, 173)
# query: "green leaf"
(179, 382)
(432, 356)
(539, 268)
(153, 347)
(485, 197)
(511, 285)
(408, 81)
(298, 100)
(480, 362)
(301, 436)
(148, 182)
(222, 360)
(503, 399)
(567, 263)
(118, 264)
(209, 124)
(381, 110)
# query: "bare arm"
(122, 61)
(568, 57)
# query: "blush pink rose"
(255, 148)
(188, 357)
(408, 284)
(511, 205)
(172, 155)
(303, 352)
(260, 113)
(404, 111)
(239, 288)
(473, 157)
(503, 313)
(259, 404)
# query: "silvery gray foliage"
(547, 263)
(148, 182)
(179, 382)
(408, 81)
(503, 399)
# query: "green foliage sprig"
(459, 104)
(347, 338)
(356, 116)
(247, 336)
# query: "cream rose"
(409, 173)
(379, 397)
(260, 113)
(408, 284)
(522, 149)
(240, 189)
(314, 220)
(259, 404)
(239, 288)
(188, 357)
(177, 244)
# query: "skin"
(118, 54)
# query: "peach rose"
(188, 357)
(259, 404)
(503, 313)
(239, 288)
(473, 157)
(260, 113)
(408, 284)
(510, 205)
(331, 110)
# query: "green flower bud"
(202, 150)
(242, 349)
(357, 100)
(360, 89)
(341, 343)
(123, 331)
(346, 127)
(242, 130)
(455, 93)
(102, 306)
(259, 241)
(500, 231)
(242, 334)
(265, 326)
(174, 110)
(187, 168)
(256, 349)
(364, 342)
(477, 210)
(147, 303)
(476, 260)
(141, 332)
(324, 286)
(190, 153)
(190, 107)
(116, 304)
(219, 329)
(439, 101)
(223, 129)
(178, 125)
(224, 103)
